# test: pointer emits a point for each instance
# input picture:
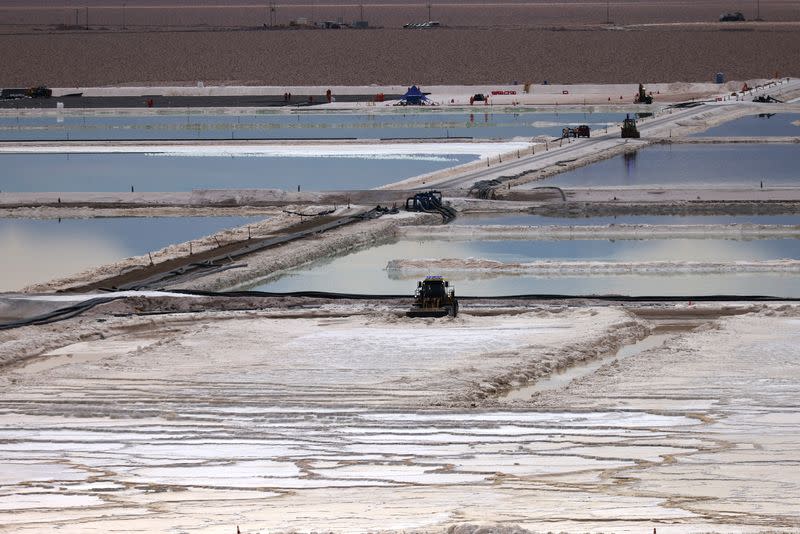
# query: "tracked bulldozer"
(434, 298)
(629, 130)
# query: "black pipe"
(60, 314)
(77, 309)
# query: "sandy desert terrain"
(482, 43)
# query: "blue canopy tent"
(414, 97)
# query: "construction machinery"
(629, 130)
(580, 131)
(434, 297)
(430, 202)
(736, 16)
(642, 97)
(40, 91)
(767, 99)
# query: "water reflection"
(39, 250)
(364, 271)
(120, 172)
(739, 165)
(630, 163)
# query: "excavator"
(434, 298)
(643, 97)
(431, 202)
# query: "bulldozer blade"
(427, 313)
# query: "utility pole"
(361, 11)
(429, 11)
(758, 9)
(123, 15)
(608, 11)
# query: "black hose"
(59, 314)
(81, 307)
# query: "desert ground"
(480, 43)
(199, 14)
(451, 56)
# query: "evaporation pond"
(37, 250)
(364, 271)
(690, 165)
(761, 125)
(118, 172)
(71, 126)
(523, 219)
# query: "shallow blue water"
(300, 125)
(740, 165)
(37, 250)
(761, 125)
(118, 172)
(364, 271)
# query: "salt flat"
(327, 420)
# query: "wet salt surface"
(202, 440)
(364, 271)
(66, 246)
(740, 165)
(300, 125)
(761, 125)
(121, 171)
(345, 448)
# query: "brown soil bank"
(352, 57)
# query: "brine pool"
(364, 271)
(689, 165)
(118, 172)
(37, 250)
(71, 126)
(761, 125)
(484, 219)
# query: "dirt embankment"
(679, 207)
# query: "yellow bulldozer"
(434, 297)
